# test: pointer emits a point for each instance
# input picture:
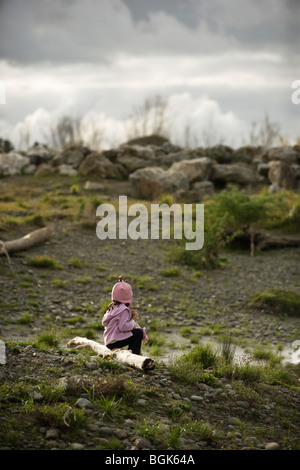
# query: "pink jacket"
(118, 324)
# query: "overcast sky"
(219, 65)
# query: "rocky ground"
(139, 410)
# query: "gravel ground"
(217, 297)
(71, 299)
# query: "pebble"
(77, 446)
(196, 398)
(272, 446)
(37, 396)
(121, 434)
(93, 427)
(84, 403)
(52, 433)
(142, 443)
(141, 402)
(105, 431)
(243, 404)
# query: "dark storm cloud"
(183, 10)
(66, 31)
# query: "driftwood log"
(29, 240)
(121, 355)
(260, 240)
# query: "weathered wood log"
(270, 242)
(261, 240)
(121, 355)
(29, 240)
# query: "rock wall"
(164, 168)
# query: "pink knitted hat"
(122, 292)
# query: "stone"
(197, 169)
(67, 170)
(29, 169)
(84, 403)
(284, 154)
(220, 153)
(141, 402)
(147, 140)
(52, 433)
(72, 156)
(199, 191)
(248, 154)
(92, 427)
(105, 431)
(12, 163)
(44, 169)
(37, 396)
(272, 446)
(153, 182)
(134, 157)
(142, 443)
(97, 165)
(243, 404)
(196, 398)
(77, 446)
(281, 173)
(263, 169)
(168, 159)
(121, 434)
(238, 173)
(39, 154)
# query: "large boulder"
(97, 165)
(153, 182)
(284, 154)
(44, 169)
(71, 156)
(235, 173)
(167, 159)
(248, 154)
(144, 141)
(220, 153)
(67, 170)
(281, 173)
(199, 191)
(134, 157)
(39, 154)
(197, 169)
(12, 163)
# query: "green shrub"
(170, 272)
(190, 367)
(46, 340)
(60, 416)
(44, 261)
(278, 301)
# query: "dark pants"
(134, 342)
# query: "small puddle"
(289, 355)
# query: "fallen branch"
(29, 240)
(122, 355)
(260, 240)
(6, 254)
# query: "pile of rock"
(154, 170)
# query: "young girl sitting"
(120, 322)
